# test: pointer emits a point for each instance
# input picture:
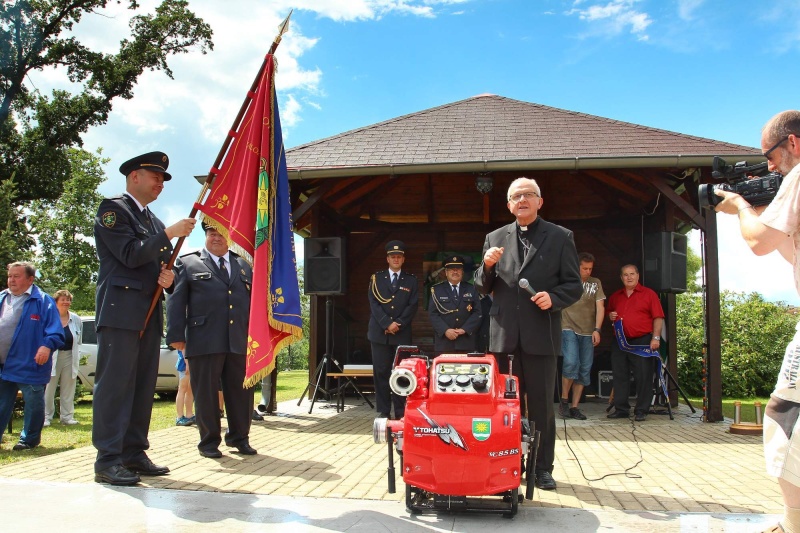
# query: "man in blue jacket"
(30, 330)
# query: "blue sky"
(718, 69)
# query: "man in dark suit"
(133, 246)
(207, 317)
(528, 324)
(393, 302)
(455, 311)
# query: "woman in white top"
(65, 363)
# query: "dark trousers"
(206, 373)
(537, 376)
(382, 359)
(621, 364)
(127, 369)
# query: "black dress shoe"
(640, 417)
(117, 475)
(257, 415)
(245, 449)
(618, 414)
(545, 481)
(146, 467)
(211, 454)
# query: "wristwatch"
(656, 338)
(597, 330)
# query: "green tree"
(295, 356)
(36, 130)
(754, 336)
(15, 235)
(693, 265)
(67, 257)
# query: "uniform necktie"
(455, 291)
(149, 217)
(394, 281)
(223, 271)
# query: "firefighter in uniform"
(455, 311)
(393, 302)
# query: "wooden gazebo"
(419, 177)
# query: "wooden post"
(713, 326)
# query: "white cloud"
(686, 8)
(209, 89)
(614, 17)
(353, 10)
(290, 112)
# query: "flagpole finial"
(282, 28)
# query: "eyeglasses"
(768, 152)
(520, 195)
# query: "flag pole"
(283, 28)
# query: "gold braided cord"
(439, 307)
(375, 293)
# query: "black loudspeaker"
(665, 262)
(323, 266)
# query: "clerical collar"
(525, 229)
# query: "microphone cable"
(627, 472)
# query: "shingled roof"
(490, 132)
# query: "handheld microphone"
(527, 286)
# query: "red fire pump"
(462, 440)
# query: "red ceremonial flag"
(249, 204)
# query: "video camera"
(758, 191)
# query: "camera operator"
(768, 228)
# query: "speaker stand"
(663, 385)
(327, 358)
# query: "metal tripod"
(323, 365)
(663, 381)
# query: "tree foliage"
(754, 336)
(36, 130)
(295, 356)
(693, 265)
(15, 235)
(64, 228)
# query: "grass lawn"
(58, 438)
(748, 409)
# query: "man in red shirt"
(642, 317)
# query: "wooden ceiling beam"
(342, 186)
(368, 206)
(615, 183)
(661, 185)
(360, 189)
(312, 200)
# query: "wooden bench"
(349, 375)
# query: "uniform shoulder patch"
(109, 219)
